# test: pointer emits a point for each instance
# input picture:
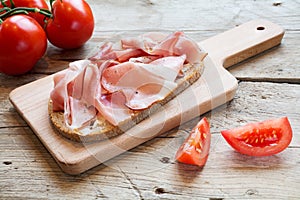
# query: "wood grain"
(268, 87)
(150, 170)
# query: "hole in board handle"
(260, 28)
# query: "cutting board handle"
(242, 42)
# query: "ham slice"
(143, 84)
(63, 83)
(112, 108)
(74, 90)
(122, 79)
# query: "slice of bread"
(101, 129)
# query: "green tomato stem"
(45, 12)
(3, 3)
(17, 12)
(12, 3)
(25, 10)
(4, 9)
(51, 2)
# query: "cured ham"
(122, 79)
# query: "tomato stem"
(4, 9)
(51, 2)
(12, 3)
(3, 3)
(25, 10)
(17, 12)
(45, 12)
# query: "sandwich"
(122, 84)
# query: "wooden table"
(269, 87)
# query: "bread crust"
(103, 130)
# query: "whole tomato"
(23, 42)
(72, 24)
(41, 4)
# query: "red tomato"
(72, 24)
(260, 139)
(23, 43)
(195, 148)
(41, 4)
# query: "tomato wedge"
(195, 148)
(262, 138)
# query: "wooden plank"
(8, 115)
(190, 15)
(150, 171)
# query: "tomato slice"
(262, 138)
(195, 148)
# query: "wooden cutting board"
(215, 87)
